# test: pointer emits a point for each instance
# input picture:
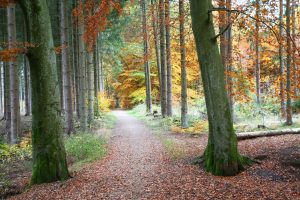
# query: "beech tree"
(163, 63)
(184, 106)
(66, 68)
(221, 156)
(146, 58)
(49, 157)
(14, 79)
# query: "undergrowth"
(84, 147)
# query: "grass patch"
(174, 149)
(84, 148)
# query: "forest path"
(130, 171)
(138, 167)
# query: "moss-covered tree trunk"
(221, 156)
(49, 157)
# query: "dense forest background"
(64, 65)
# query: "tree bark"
(14, 79)
(221, 156)
(146, 58)
(163, 59)
(7, 110)
(281, 62)
(66, 69)
(49, 157)
(289, 120)
(169, 61)
(184, 106)
(156, 42)
(257, 52)
(90, 82)
(26, 80)
(82, 75)
(229, 66)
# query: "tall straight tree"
(90, 85)
(156, 40)
(289, 120)
(66, 68)
(146, 58)
(168, 56)
(257, 51)
(163, 63)
(229, 58)
(281, 61)
(49, 157)
(13, 72)
(184, 106)
(82, 73)
(221, 156)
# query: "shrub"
(85, 147)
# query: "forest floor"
(143, 165)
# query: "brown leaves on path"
(138, 168)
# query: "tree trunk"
(82, 75)
(221, 156)
(96, 79)
(156, 42)
(229, 59)
(76, 60)
(49, 157)
(281, 62)
(294, 64)
(14, 79)
(26, 80)
(222, 25)
(289, 120)
(90, 84)
(66, 69)
(184, 106)
(146, 58)
(169, 62)
(1, 90)
(163, 59)
(257, 52)
(7, 110)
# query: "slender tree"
(229, 58)
(257, 51)
(281, 61)
(168, 56)
(184, 106)
(82, 96)
(90, 85)
(156, 41)
(14, 79)
(163, 59)
(221, 156)
(146, 57)
(49, 157)
(66, 68)
(289, 120)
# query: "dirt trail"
(138, 168)
(127, 173)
